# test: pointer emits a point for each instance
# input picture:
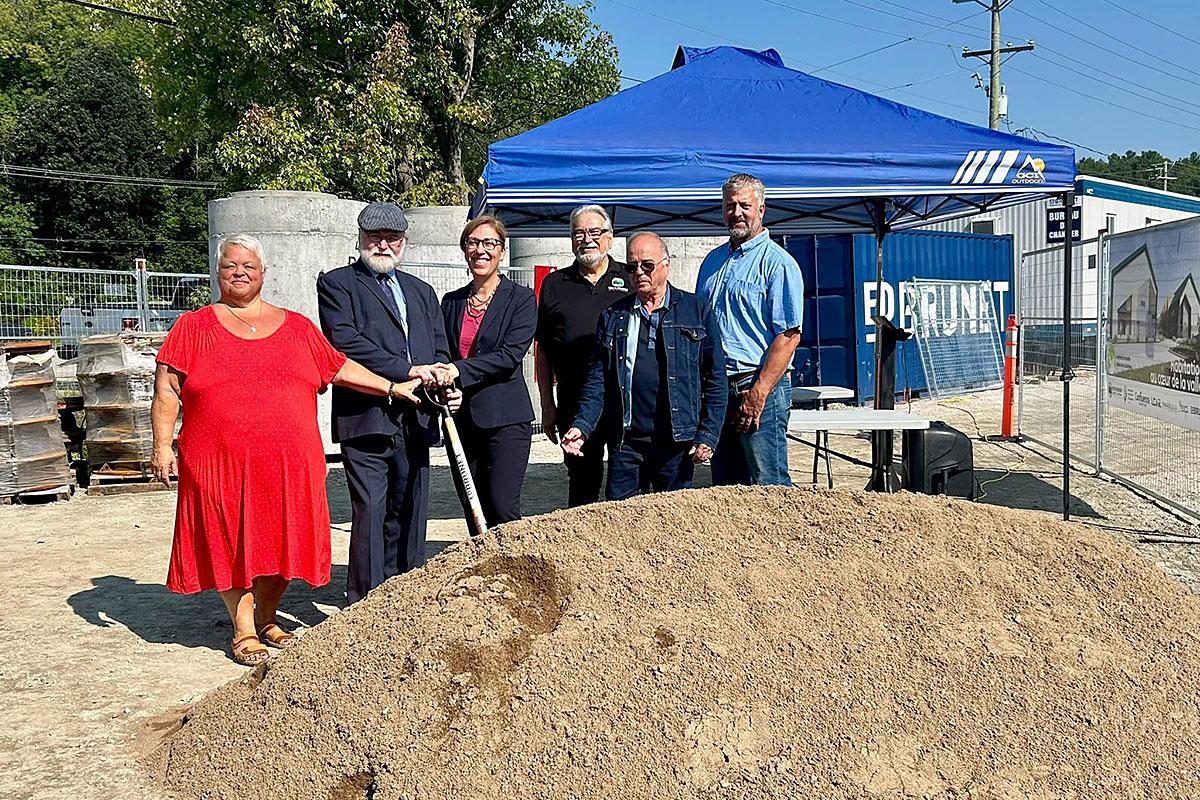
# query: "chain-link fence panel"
(957, 335)
(64, 305)
(1041, 346)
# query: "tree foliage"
(389, 99)
(1142, 168)
(72, 97)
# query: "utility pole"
(1164, 174)
(995, 92)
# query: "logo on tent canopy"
(1032, 171)
(993, 167)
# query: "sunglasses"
(645, 266)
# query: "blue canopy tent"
(834, 159)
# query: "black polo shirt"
(568, 309)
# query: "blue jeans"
(759, 457)
(640, 467)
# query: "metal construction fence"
(63, 305)
(957, 335)
(1109, 435)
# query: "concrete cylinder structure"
(303, 234)
(433, 233)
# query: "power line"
(1126, 43)
(807, 64)
(104, 241)
(122, 12)
(1113, 104)
(1133, 13)
(1108, 50)
(19, 171)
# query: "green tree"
(94, 119)
(373, 98)
(1141, 168)
(44, 62)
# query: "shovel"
(472, 508)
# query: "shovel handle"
(457, 455)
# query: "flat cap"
(382, 217)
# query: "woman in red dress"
(251, 513)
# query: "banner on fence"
(1153, 349)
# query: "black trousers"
(388, 478)
(498, 458)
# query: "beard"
(381, 263)
(739, 231)
(589, 259)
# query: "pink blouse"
(470, 330)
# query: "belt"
(738, 378)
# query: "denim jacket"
(695, 363)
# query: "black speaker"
(939, 461)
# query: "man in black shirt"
(569, 306)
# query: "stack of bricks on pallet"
(116, 377)
(33, 455)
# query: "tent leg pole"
(1067, 371)
(884, 477)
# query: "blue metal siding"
(921, 254)
(826, 354)
(1130, 194)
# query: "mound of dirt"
(741, 642)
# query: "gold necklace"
(253, 329)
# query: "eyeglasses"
(487, 244)
(583, 234)
(391, 239)
(645, 266)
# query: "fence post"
(1101, 342)
(143, 304)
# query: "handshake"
(435, 376)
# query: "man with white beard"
(569, 307)
(391, 321)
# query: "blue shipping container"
(837, 345)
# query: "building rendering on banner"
(1181, 319)
(1134, 305)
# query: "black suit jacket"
(359, 321)
(494, 389)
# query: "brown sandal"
(274, 636)
(252, 653)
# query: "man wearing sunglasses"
(656, 383)
(569, 305)
(755, 292)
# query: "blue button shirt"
(754, 293)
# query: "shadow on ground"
(159, 616)
(1028, 491)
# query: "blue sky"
(1083, 84)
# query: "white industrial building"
(1105, 206)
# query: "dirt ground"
(93, 648)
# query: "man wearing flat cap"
(390, 322)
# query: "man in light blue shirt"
(755, 292)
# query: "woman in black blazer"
(490, 324)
